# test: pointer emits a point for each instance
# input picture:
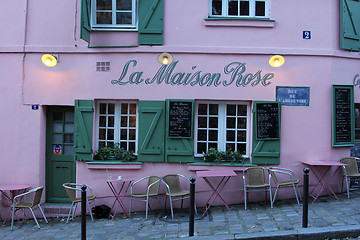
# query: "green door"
(60, 164)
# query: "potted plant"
(214, 155)
(113, 153)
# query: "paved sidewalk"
(328, 218)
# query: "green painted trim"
(114, 162)
(113, 46)
(222, 164)
(237, 18)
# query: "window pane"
(202, 109)
(241, 124)
(213, 122)
(231, 110)
(123, 145)
(68, 138)
(57, 116)
(241, 148)
(132, 108)
(69, 116)
(111, 121)
(124, 108)
(213, 135)
(230, 135)
(230, 122)
(213, 109)
(132, 146)
(57, 127)
(259, 8)
(111, 108)
(212, 145)
(123, 4)
(101, 144)
(202, 135)
(241, 136)
(69, 127)
(103, 17)
(68, 150)
(123, 134)
(201, 147)
(202, 122)
(103, 4)
(230, 146)
(124, 18)
(124, 121)
(132, 122)
(357, 134)
(242, 110)
(233, 8)
(57, 138)
(132, 134)
(216, 7)
(110, 134)
(244, 8)
(102, 108)
(102, 134)
(102, 121)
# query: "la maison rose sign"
(234, 74)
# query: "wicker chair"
(152, 191)
(70, 189)
(350, 171)
(174, 191)
(254, 181)
(24, 204)
(290, 181)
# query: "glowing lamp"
(165, 58)
(276, 61)
(49, 60)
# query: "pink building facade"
(108, 56)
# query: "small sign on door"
(57, 149)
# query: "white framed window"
(117, 122)
(222, 125)
(116, 14)
(239, 8)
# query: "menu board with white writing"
(267, 120)
(342, 115)
(180, 119)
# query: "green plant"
(114, 152)
(214, 155)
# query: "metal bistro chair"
(291, 181)
(254, 181)
(174, 190)
(152, 191)
(350, 171)
(24, 204)
(70, 189)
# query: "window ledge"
(114, 165)
(239, 22)
(213, 166)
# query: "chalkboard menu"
(267, 120)
(343, 115)
(180, 119)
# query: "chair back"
(69, 191)
(273, 176)
(255, 176)
(351, 165)
(37, 197)
(174, 183)
(154, 189)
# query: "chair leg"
(90, 212)
(71, 208)
(12, 218)
(271, 200)
(296, 195)
(171, 207)
(347, 186)
(130, 206)
(245, 192)
(276, 192)
(43, 213)
(32, 212)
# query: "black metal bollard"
(192, 207)
(305, 198)
(83, 212)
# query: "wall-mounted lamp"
(165, 58)
(49, 60)
(276, 61)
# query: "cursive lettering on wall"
(234, 74)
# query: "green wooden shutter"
(151, 15)
(179, 149)
(350, 25)
(151, 131)
(83, 130)
(266, 150)
(85, 14)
